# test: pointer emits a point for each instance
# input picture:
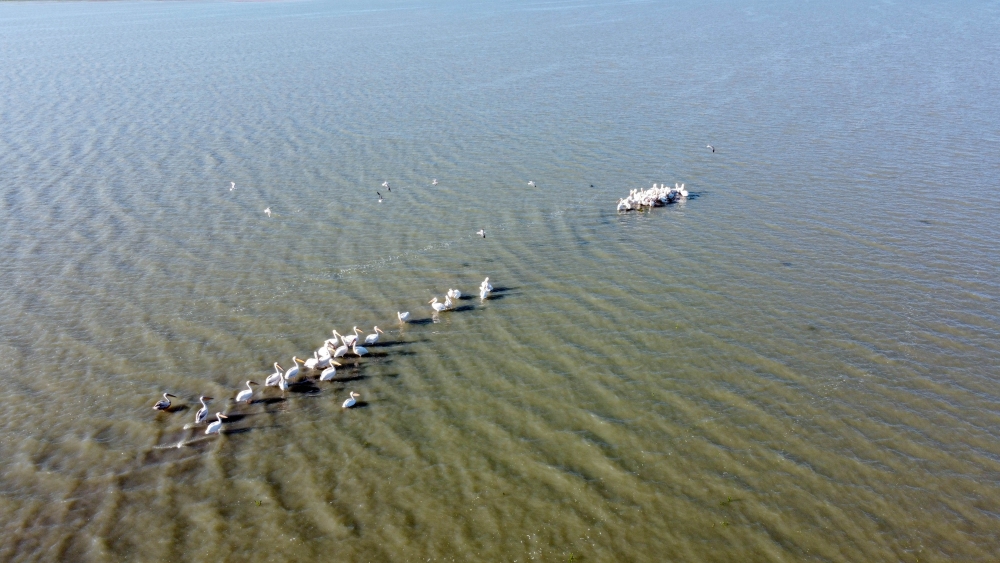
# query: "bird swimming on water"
(217, 425)
(164, 403)
(202, 413)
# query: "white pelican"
(351, 402)
(202, 413)
(273, 379)
(233, 186)
(329, 372)
(294, 370)
(454, 294)
(434, 182)
(312, 363)
(373, 337)
(403, 317)
(340, 351)
(710, 147)
(217, 425)
(386, 185)
(348, 340)
(484, 292)
(438, 307)
(267, 212)
(486, 284)
(531, 183)
(481, 232)
(246, 394)
(283, 384)
(164, 403)
(358, 350)
(379, 197)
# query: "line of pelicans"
(323, 360)
(655, 196)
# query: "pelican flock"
(321, 362)
(655, 196)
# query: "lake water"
(799, 363)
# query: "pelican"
(294, 370)
(379, 196)
(358, 350)
(164, 404)
(484, 292)
(217, 425)
(386, 185)
(348, 340)
(233, 186)
(246, 394)
(373, 337)
(486, 284)
(434, 182)
(267, 212)
(531, 183)
(710, 147)
(481, 232)
(340, 351)
(273, 379)
(454, 293)
(329, 372)
(438, 307)
(403, 317)
(313, 362)
(202, 413)
(351, 402)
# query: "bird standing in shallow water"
(267, 212)
(351, 402)
(373, 337)
(329, 372)
(164, 403)
(246, 394)
(403, 317)
(202, 413)
(273, 379)
(217, 425)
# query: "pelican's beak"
(300, 361)
(279, 366)
(433, 300)
(209, 398)
(377, 329)
(338, 364)
(223, 416)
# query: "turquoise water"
(798, 363)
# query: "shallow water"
(799, 363)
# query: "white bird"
(329, 372)
(246, 394)
(294, 370)
(233, 187)
(214, 427)
(531, 183)
(351, 402)
(313, 362)
(484, 292)
(434, 182)
(164, 403)
(267, 212)
(273, 379)
(438, 307)
(373, 337)
(481, 232)
(403, 317)
(454, 293)
(358, 350)
(202, 413)
(340, 351)
(348, 340)
(386, 185)
(379, 197)
(486, 284)
(710, 147)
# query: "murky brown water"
(800, 363)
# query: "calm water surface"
(800, 363)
